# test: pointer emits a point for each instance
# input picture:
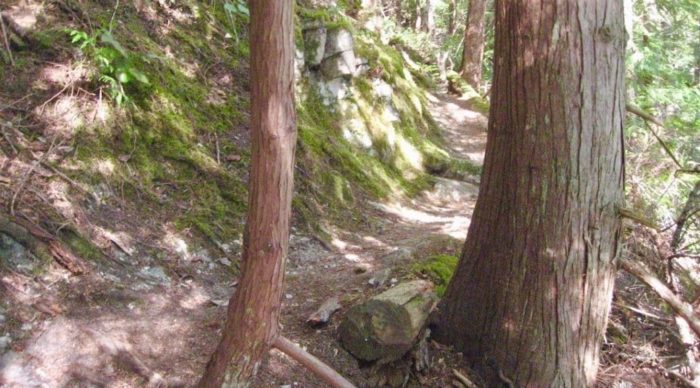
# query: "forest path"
(123, 327)
(399, 233)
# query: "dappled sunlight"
(64, 116)
(25, 15)
(176, 243)
(68, 350)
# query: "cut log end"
(387, 326)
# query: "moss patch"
(439, 269)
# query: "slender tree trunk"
(418, 21)
(252, 321)
(452, 21)
(474, 40)
(428, 16)
(530, 298)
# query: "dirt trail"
(120, 328)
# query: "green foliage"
(439, 269)
(236, 10)
(663, 78)
(117, 67)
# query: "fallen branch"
(638, 218)
(662, 290)
(463, 379)
(7, 42)
(312, 363)
(649, 118)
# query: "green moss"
(439, 269)
(82, 247)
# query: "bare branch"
(326, 373)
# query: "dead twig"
(7, 42)
(647, 119)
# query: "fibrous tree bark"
(530, 297)
(252, 322)
(474, 40)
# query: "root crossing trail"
(122, 327)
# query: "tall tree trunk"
(474, 39)
(428, 16)
(530, 298)
(252, 321)
(418, 20)
(452, 21)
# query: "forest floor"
(153, 321)
(140, 320)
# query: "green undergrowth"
(337, 174)
(159, 150)
(439, 269)
(177, 150)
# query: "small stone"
(27, 327)
(225, 262)
(288, 296)
(380, 278)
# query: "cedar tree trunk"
(531, 294)
(474, 38)
(253, 312)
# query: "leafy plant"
(116, 66)
(236, 9)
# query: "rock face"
(314, 46)
(338, 55)
(386, 327)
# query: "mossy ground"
(178, 149)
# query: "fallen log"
(386, 327)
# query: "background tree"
(531, 293)
(474, 40)
(252, 322)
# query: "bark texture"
(251, 325)
(474, 37)
(530, 297)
